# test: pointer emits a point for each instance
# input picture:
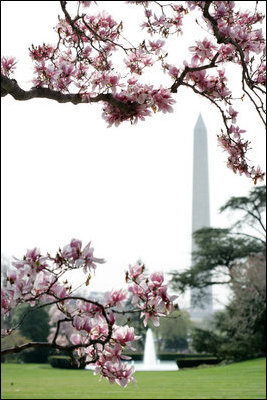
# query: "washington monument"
(200, 210)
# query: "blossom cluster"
(36, 277)
(237, 147)
(83, 63)
(8, 65)
(144, 99)
(149, 291)
(164, 23)
(82, 325)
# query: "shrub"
(190, 362)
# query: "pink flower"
(85, 3)
(139, 292)
(72, 251)
(99, 331)
(78, 323)
(11, 277)
(87, 258)
(132, 81)
(124, 334)
(88, 325)
(118, 372)
(5, 301)
(156, 280)
(67, 69)
(156, 46)
(76, 339)
(173, 72)
(233, 114)
(135, 271)
(163, 99)
(58, 290)
(86, 51)
(33, 259)
(115, 298)
(204, 49)
(39, 53)
(8, 65)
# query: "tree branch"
(180, 80)
(229, 40)
(18, 349)
(10, 86)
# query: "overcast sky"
(128, 189)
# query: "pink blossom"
(5, 302)
(119, 372)
(155, 308)
(8, 65)
(115, 298)
(88, 324)
(163, 100)
(87, 258)
(89, 308)
(78, 323)
(99, 330)
(138, 291)
(148, 13)
(58, 290)
(76, 339)
(204, 49)
(67, 69)
(156, 280)
(11, 277)
(41, 53)
(72, 251)
(232, 114)
(135, 271)
(173, 72)
(124, 334)
(85, 3)
(156, 46)
(33, 259)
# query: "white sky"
(127, 189)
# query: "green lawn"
(244, 380)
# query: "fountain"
(150, 362)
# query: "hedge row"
(195, 362)
(170, 356)
(186, 361)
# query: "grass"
(245, 380)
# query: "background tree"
(92, 61)
(239, 332)
(235, 257)
(13, 340)
(218, 249)
(35, 327)
(172, 334)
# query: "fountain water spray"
(150, 362)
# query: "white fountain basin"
(158, 366)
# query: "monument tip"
(200, 123)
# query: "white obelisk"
(201, 209)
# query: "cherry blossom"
(82, 66)
(87, 329)
(7, 65)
